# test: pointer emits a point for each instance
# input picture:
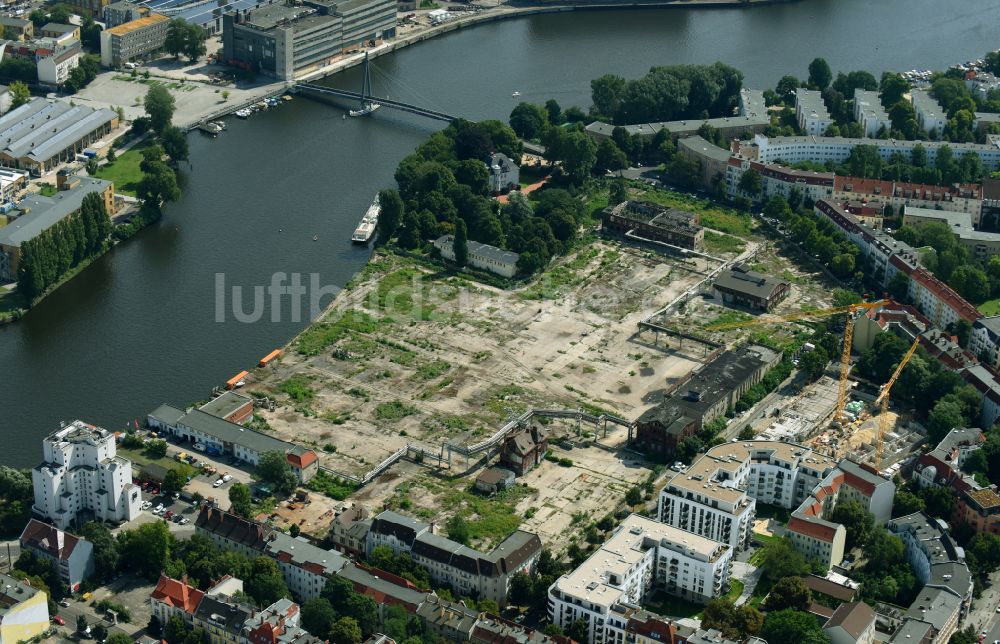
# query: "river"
(139, 327)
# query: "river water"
(140, 326)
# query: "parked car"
(226, 478)
(64, 603)
(184, 521)
(200, 447)
(58, 620)
(217, 483)
(168, 514)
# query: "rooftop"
(225, 404)
(41, 213)
(49, 539)
(625, 549)
(739, 278)
(301, 553)
(139, 23)
(854, 618)
(811, 102)
(13, 592)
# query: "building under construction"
(654, 222)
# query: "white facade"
(641, 554)
(304, 566)
(482, 256)
(716, 497)
(81, 474)
(504, 174)
(985, 340)
(55, 69)
(835, 149)
(811, 113)
(869, 113)
(930, 116)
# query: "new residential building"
(869, 113)
(287, 42)
(704, 396)
(985, 340)
(481, 256)
(930, 115)
(81, 478)
(24, 611)
(641, 555)
(650, 221)
(716, 497)
(138, 39)
(777, 180)
(811, 113)
(468, 571)
(966, 197)
(71, 556)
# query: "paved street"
(984, 616)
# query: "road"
(984, 616)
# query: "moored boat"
(366, 227)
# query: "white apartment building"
(641, 554)
(835, 149)
(481, 256)
(930, 116)
(82, 478)
(54, 70)
(869, 113)
(985, 340)
(304, 566)
(778, 180)
(811, 113)
(716, 497)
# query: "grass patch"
(47, 190)
(722, 219)
(490, 520)
(990, 307)
(432, 370)
(319, 336)
(394, 410)
(728, 317)
(735, 590)
(141, 457)
(297, 387)
(12, 305)
(719, 243)
(125, 172)
(331, 486)
(664, 604)
(407, 293)
(766, 511)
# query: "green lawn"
(125, 172)
(990, 307)
(669, 606)
(765, 511)
(735, 590)
(720, 218)
(719, 243)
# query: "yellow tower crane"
(883, 401)
(845, 356)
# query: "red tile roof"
(811, 529)
(48, 539)
(943, 292)
(303, 460)
(177, 593)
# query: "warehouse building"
(40, 135)
(651, 221)
(138, 39)
(38, 213)
(706, 395)
(740, 286)
(288, 41)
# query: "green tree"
(750, 182)
(579, 154)
(274, 469)
(158, 183)
(345, 631)
(318, 617)
(391, 214)
(734, 622)
(176, 37)
(971, 283)
(173, 482)
(194, 42)
(266, 583)
(905, 503)
(19, 94)
(146, 550)
(792, 625)
(458, 529)
(785, 89)
(938, 502)
(528, 120)
(779, 559)
(578, 631)
(461, 244)
(160, 107)
(175, 143)
(239, 499)
(789, 592)
(944, 417)
(156, 448)
(820, 74)
(99, 632)
(617, 192)
(119, 638)
(634, 496)
(607, 93)
(899, 287)
(893, 87)
(813, 363)
(81, 623)
(984, 551)
(857, 520)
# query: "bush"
(105, 605)
(333, 487)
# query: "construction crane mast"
(883, 400)
(845, 356)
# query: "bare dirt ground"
(411, 355)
